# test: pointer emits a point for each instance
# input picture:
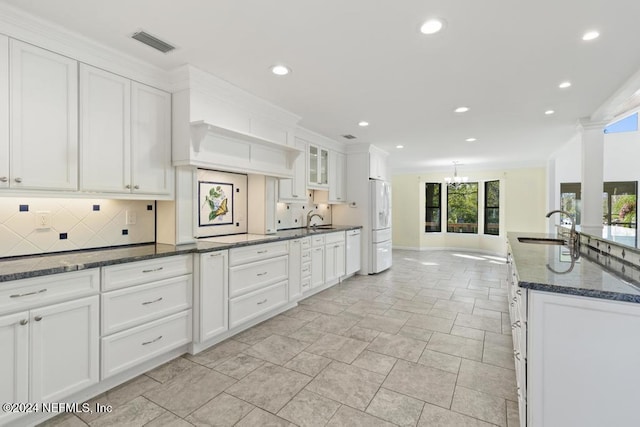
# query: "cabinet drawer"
(134, 306)
(306, 256)
(306, 243)
(126, 349)
(334, 238)
(249, 277)
(135, 273)
(27, 293)
(257, 252)
(317, 241)
(306, 269)
(249, 306)
(306, 284)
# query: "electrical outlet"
(130, 218)
(43, 220)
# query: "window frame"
(488, 208)
(477, 205)
(435, 228)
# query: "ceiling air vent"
(152, 41)
(348, 136)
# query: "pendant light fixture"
(455, 180)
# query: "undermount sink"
(541, 240)
(322, 227)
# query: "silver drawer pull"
(151, 302)
(262, 252)
(24, 322)
(37, 318)
(516, 354)
(151, 271)
(262, 274)
(216, 254)
(28, 293)
(262, 302)
(519, 292)
(152, 341)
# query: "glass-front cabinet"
(318, 167)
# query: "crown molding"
(20, 25)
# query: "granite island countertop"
(550, 268)
(41, 265)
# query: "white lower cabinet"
(211, 313)
(146, 311)
(49, 351)
(133, 346)
(317, 266)
(334, 255)
(258, 281)
(295, 269)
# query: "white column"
(592, 139)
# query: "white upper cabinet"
(44, 119)
(337, 173)
(4, 111)
(295, 189)
(152, 172)
(105, 131)
(318, 167)
(378, 164)
(125, 136)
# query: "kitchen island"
(574, 324)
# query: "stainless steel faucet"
(310, 216)
(573, 237)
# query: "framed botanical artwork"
(221, 199)
(216, 203)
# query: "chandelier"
(455, 180)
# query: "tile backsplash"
(294, 215)
(72, 224)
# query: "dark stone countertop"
(585, 277)
(42, 265)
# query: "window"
(432, 223)
(492, 208)
(462, 208)
(570, 199)
(628, 124)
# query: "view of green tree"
(624, 208)
(462, 207)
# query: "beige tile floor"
(427, 343)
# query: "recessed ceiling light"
(461, 110)
(590, 35)
(280, 70)
(363, 124)
(564, 85)
(549, 112)
(399, 146)
(470, 139)
(432, 26)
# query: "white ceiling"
(358, 60)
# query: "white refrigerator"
(380, 251)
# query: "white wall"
(523, 205)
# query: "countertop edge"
(190, 248)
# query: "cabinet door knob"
(128, 187)
(136, 187)
(37, 318)
(24, 322)
(18, 180)
(3, 179)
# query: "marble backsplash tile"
(294, 215)
(73, 224)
